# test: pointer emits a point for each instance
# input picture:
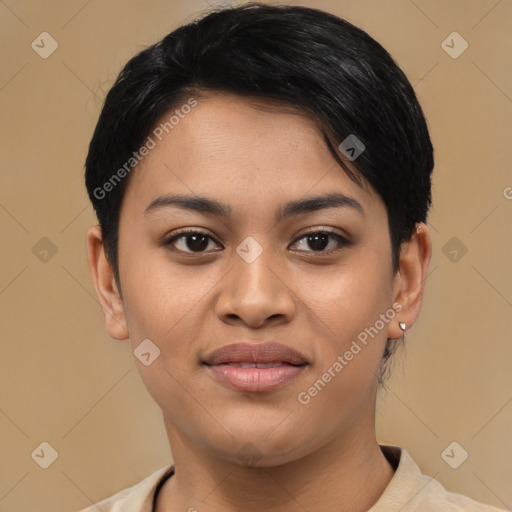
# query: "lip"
(280, 365)
(246, 352)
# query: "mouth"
(255, 368)
(258, 365)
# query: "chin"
(267, 447)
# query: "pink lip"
(225, 364)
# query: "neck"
(348, 474)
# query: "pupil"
(203, 242)
(318, 241)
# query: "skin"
(320, 456)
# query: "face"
(275, 266)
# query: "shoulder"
(433, 494)
(137, 498)
(411, 491)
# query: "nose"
(256, 293)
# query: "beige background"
(65, 382)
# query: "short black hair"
(302, 57)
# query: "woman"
(262, 182)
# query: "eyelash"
(342, 241)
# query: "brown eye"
(318, 241)
(190, 241)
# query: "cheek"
(348, 347)
(161, 298)
(347, 300)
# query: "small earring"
(402, 325)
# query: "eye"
(190, 241)
(319, 241)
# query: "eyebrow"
(292, 208)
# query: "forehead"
(234, 148)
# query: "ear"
(409, 281)
(108, 294)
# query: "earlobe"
(102, 275)
(409, 281)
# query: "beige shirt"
(408, 491)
